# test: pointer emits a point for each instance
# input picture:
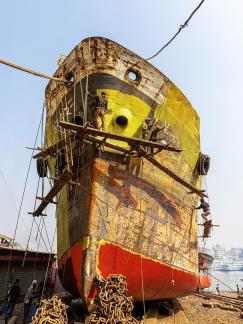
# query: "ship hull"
(119, 213)
(147, 279)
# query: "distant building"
(235, 253)
(12, 265)
(219, 252)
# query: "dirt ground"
(196, 313)
(191, 306)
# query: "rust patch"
(121, 187)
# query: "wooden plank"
(142, 152)
(44, 199)
(107, 144)
(132, 141)
(51, 150)
(58, 185)
(172, 174)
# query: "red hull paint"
(159, 280)
(69, 269)
(204, 282)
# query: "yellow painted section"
(85, 243)
(177, 112)
(62, 207)
(62, 215)
(132, 107)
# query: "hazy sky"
(205, 62)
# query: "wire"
(12, 198)
(22, 200)
(177, 33)
(48, 264)
(219, 281)
(24, 69)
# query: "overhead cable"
(177, 33)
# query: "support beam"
(143, 153)
(48, 201)
(52, 150)
(172, 174)
(132, 141)
(58, 185)
(29, 213)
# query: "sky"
(205, 62)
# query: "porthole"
(69, 77)
(121, 120)
(133, 75)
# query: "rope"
(141, 264)
(86, 91)
(48, 264)
(177, 33)
(40, 233)
(22, 200)
(219, 281)
(24, 69)
(38, 246)
(12, 199)
(144, 309)
(30, 232)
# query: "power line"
(178, 32)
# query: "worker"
(202, 263)
(30, 294)
(146, 129)
(207, 225)
(60, 162)
(12, 297)
(155, 129)
(237, 289)
(205, 207)
(100, 111)
(217, 289)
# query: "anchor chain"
(52, 311)
(113, 305)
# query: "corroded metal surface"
(126, 201)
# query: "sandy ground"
(196, 313)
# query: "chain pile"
(112, 302)
(52, 311)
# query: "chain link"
(113, 305)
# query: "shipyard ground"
(196, 313)
(187, 310)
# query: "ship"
(125, 201)
(206, 256)
(228, 265)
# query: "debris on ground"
(196, 312)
